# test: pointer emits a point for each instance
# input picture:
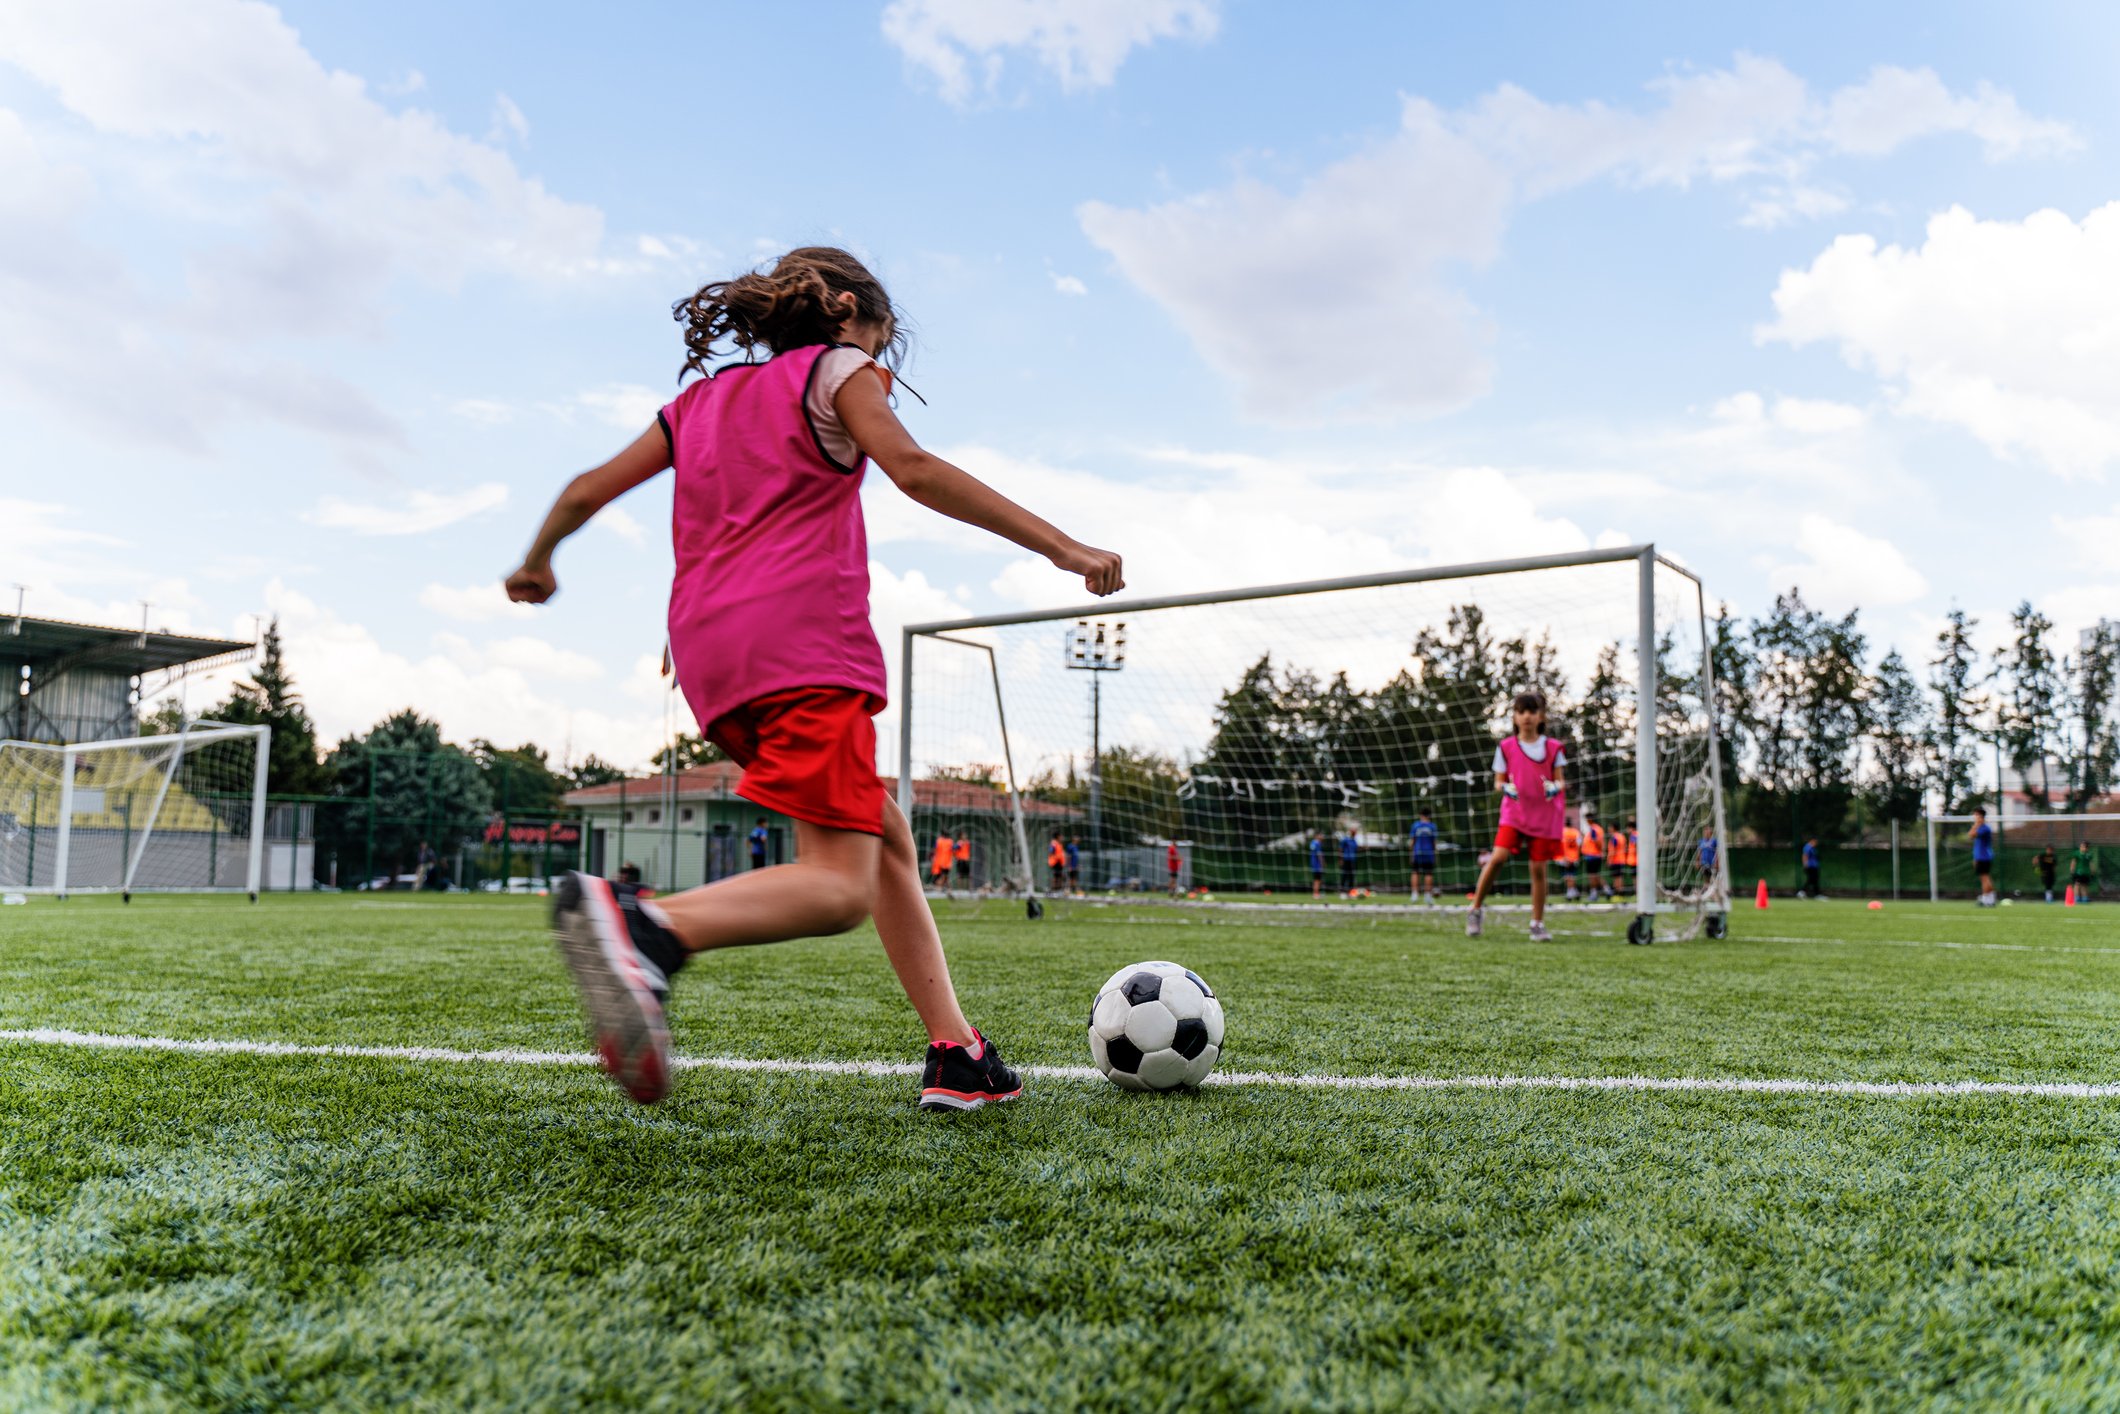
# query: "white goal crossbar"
(171, 814)
(1652, 892)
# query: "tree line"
(1815, 741)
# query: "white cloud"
(626, 406)
(508, 121)
(962, 44)
(1340, 298)
(2003, 328)
(625, 527)
(350, 680)
(474, 603)
(1069, 285)
(286, 195)
(414, 513)
(486, 412)
(532, 657)
(1842, 568)
(1895, 106)
(2094, 542)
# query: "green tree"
(1898, 739)
(1601, 758)
(593, 770)
(691, 749)
(1954, 733)
(2029, 694)
(167, 718)
(2094, 682)
(268, 699)
(520, 780)
(402, 784)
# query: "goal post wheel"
(126, 897)
(253, 898)
(1717, 925)
(1032, 909)
(1642, 931)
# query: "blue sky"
(308, 309)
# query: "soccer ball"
(1155, 1026)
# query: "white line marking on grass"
(1740, 1085)
(1925, 943)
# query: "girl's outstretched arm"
(583, 497)
(866, 413)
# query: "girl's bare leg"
(839, 877)
(910, 939)
(829, 888)
(1495, 862)
(1538, 891)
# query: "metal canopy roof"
(54, 645)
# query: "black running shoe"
(621, 990)
(953, 1079)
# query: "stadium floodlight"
(1096, 647)
(1254, 717)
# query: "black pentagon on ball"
(1191, 1038)
(1200, 982)
(1143, 987)
(1124, 1055)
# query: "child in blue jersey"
(1983, 837)
(1349, 847)
(759, 836)
(1317, 865)
(1422, 834)
(1707, 855)
(1810, 869)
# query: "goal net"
(184, 811)
(1239, 727)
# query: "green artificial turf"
(186, 1230)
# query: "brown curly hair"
(795, 304)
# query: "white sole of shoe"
(625, 1019)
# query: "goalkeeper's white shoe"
(1475, 918)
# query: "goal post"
(1230, 732)
(184, 812)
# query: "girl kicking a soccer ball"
(771, 643)
(1527, 771)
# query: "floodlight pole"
(1088, 650)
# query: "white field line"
(1926, 943)
(1740, 1085)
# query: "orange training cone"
(2068, 900)
(1759, 900)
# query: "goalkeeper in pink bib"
(770, 640)
(1527, 771)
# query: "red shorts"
(809, 753)
(1510, 839)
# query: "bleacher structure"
(87, 804)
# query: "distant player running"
(1350, 853)
(1571, 857)
(771, 643)
(1593, 857)
(1983, 837)
(939, 863)
(1056, 864)
(1422, 834)
(759, 836)
(1527, 771)
(1074, 865)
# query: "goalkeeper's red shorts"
(1509, 839)
(809, 753)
